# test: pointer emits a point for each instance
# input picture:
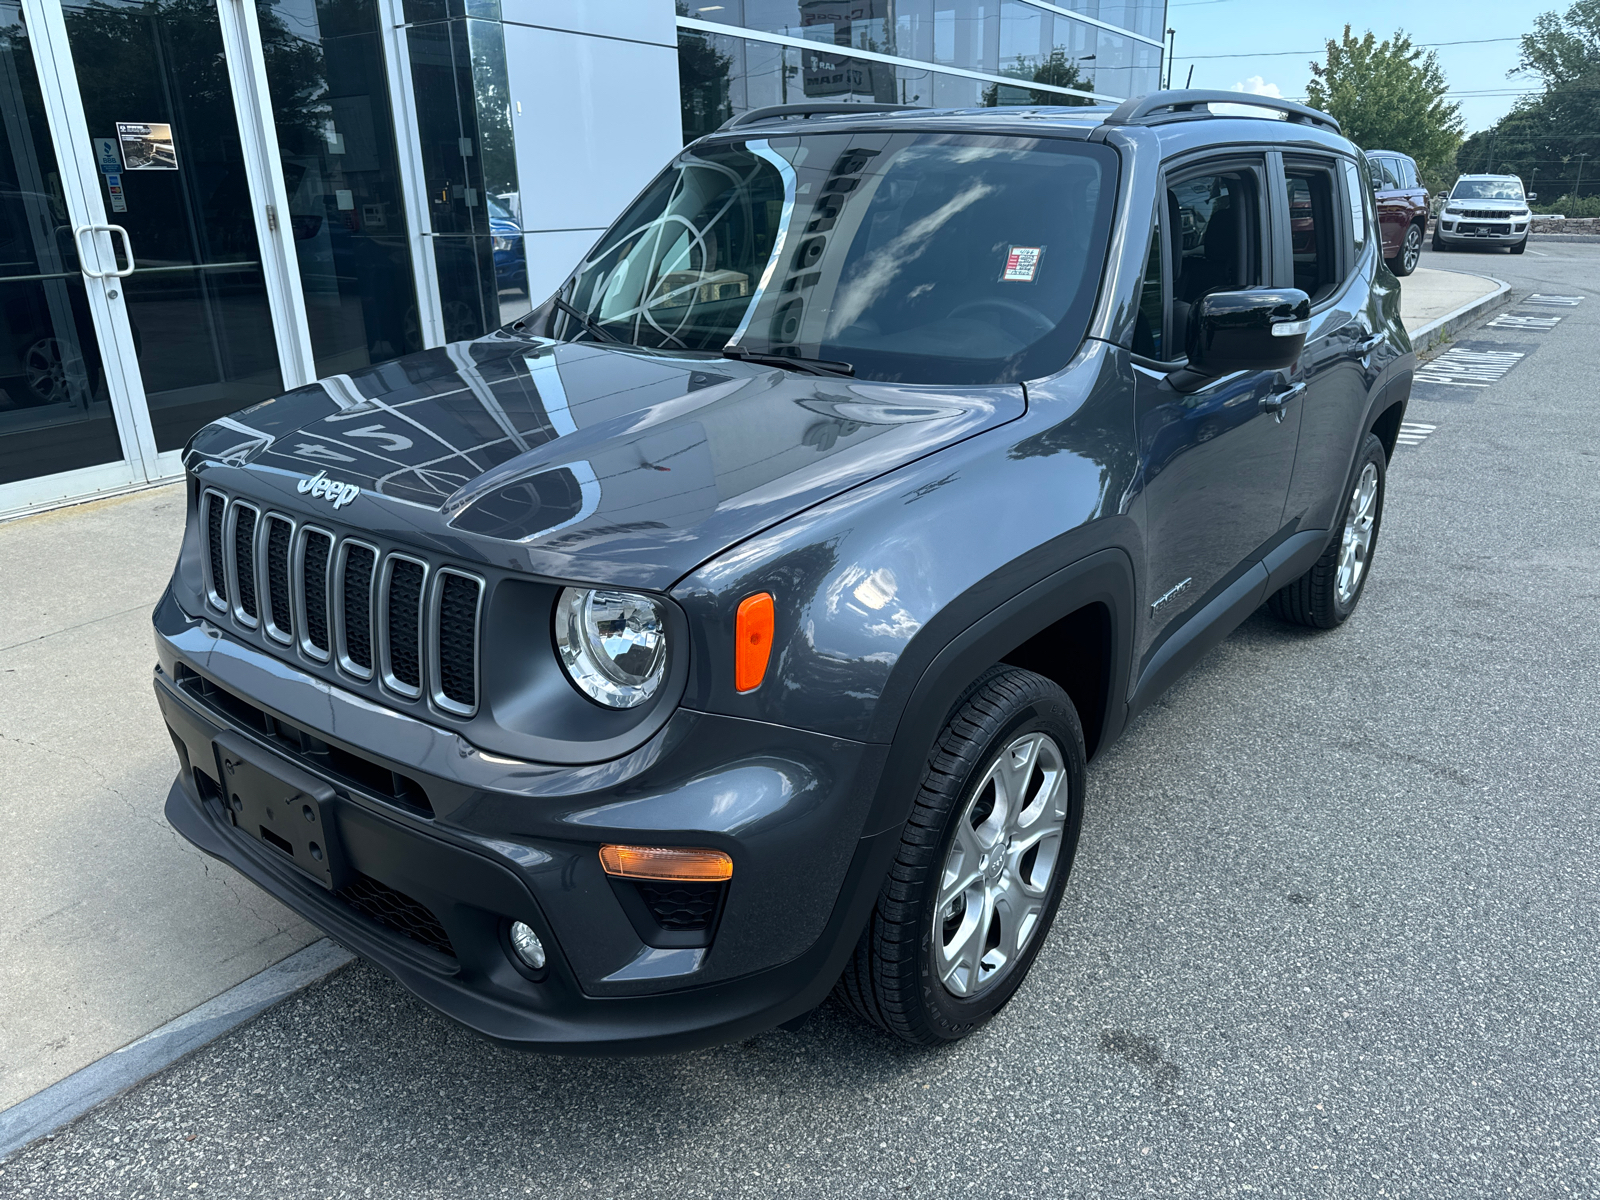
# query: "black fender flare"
(1105, 577)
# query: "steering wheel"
(1040, 323)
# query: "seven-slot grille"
(392, 616)
(1485, 214)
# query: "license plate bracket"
(286, 809)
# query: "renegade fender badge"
(329, 489)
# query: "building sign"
(147, 146)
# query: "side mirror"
(1532, 196)
(1260, 329)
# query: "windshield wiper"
(587, 321)
(811, 366)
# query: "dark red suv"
(1402, 208)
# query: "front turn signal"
(752, 641)
(666, 862)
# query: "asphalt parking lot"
(1331, 932)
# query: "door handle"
(1372, 343)
(1276, 401)
(127, 251)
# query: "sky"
(1239, 44)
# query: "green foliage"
(1390, 95)
(1570, 206)
(1055, 70)
(1552, 140)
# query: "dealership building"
(204, 203)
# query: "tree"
(1057, 71)
(1390, 95)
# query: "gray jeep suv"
(737, 625)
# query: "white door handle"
(127, 251)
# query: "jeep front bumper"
(442, 846)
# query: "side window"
(1216, 234)
(1357, 193)
(1313, 229)
(1147, 331)
(1391, 173)
(1408, 173)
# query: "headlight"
(1451, 209)
(500, 244)
(613, 645)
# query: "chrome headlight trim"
(612, 644)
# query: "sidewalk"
(110, 925)
(1432, 300)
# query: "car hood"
(580, 461)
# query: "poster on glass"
(147, 146)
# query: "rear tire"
(982, 863)
(1326, 595)
(1405, 262)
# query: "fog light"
(527, 946)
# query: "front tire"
(1521, 246)
(981, 865)
(1405, 262)
(1438, 242)
(1326, 595)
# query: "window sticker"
(1021, 264)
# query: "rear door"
(1334, 264)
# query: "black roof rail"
(1157, 108)
(834, 108)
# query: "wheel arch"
(1086, 606)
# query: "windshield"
(913, 257)
(1487, 189)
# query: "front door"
(1216, 461)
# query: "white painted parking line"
(1461, 367)
(1412, 432)
(1513, 321)
(1554, 301)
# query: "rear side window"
(1313, 229)
(1408, 173)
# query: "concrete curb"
(1440, 329)
(60, 1103)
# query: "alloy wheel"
(1361, 518)
(1411, 251)
(996, 877)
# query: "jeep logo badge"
(329, 489)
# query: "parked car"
(1402, 208)
(737, 624)
(1485, 210)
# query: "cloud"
(1258, 86)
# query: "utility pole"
(1577, 188)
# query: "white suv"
(1485, 210)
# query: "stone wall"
(1580, 225)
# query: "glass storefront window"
(458, 71)
(330, 103)
(1008, 37)
(55, 414)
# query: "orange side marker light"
(752, 641)
(666, 862)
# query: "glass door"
(56, 412)
(159, 109)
